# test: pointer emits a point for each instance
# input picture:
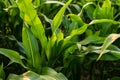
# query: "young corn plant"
(33, 58)
(64, 52)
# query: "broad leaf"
(31, 48)
(12, 55)
(53, 73)
(29, 15)
(93, 38)
(76, 18)
(49, 74)
(108, 41)
(58, 17)
(79, 31)
(29, 75)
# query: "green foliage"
(69, 36)
(29, 15)
(2, 73)
(31, 48)
(13, 55)
(47, 74)
(108, 41)
(58, 18)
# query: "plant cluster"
(59, 40)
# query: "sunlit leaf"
(80, 30)
(58, 17)
(29, 75)
(29, 15)
(53, 73)
(36, 3)
(76, 18)
(31, 48)
(50, 44)
(108, 41)
(103, 21)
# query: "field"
(59, 40)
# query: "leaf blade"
(12, 55)
(58, 18)
(108, 41)
(31, 48)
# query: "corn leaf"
(53, 73)
(79, 31)
(58, 18)
(29, 15)
(12, 55)
(57, 2)
(31, 48)
(108, 41)
(49, 74)
(103, 21)
(50, 44)
(36, 3)
(84, 6)
(76, 18)
(2, 73)
(60, 36)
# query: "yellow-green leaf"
(108, 41)
(31, 48)
(12, 55)
(29, 15)
(58, 17)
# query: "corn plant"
(33, 58)
(74, 38)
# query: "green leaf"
(29, 15)
(115, 78)
(29, 75)
(49, 74)
(14, 77)
(31, 48)
(2, 73)
(60, 36)
(58, 17)
(50, 44)
(53, 73)
(79, 31)
(89, 10)
(93, 38)
(83, 28)
(12, 55)
(104, 12)
(57, 2)
(108, 41)
(107, 9)
(76, 18)
(112, 53)
(103, 21)
(36, 3)
(84, 6)
(48, 71)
